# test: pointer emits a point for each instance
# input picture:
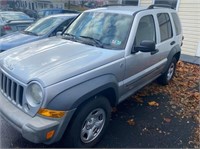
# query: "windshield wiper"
(30, 33)
(70, 37)
(98, 42)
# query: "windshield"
(15, 16)
(44, 13)
(44, 25)
(108, 30)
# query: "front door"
(142, 67)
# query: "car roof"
(5, 12)
(118, 9)
(51, 9)
(129, 10)
(63, 15)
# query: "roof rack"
(160, 5)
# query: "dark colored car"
(47, 12)
(43, 28)
(12, 21)
(31, 13)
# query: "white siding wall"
(189, 12)
(145, 2)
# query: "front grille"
(12, 90)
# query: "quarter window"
(172, 3)
(165, 26)
(146, 30)
(177, 23)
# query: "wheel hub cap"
(93, 125)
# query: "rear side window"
(177, 23)
(165, 26)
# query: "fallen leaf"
(131, 122)
(168, 120)
(197, 95)
(138, 100)
(153, 103)
(114, 109)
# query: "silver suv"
(64, 87)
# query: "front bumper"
(35, 128)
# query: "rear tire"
(89, 123)
(168, 75)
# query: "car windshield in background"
(107, 30)
(6, 16)
(47, 13)
(43, 26)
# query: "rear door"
(166, 34)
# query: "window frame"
(177, 5)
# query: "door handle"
(172, 43)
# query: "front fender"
(76, 95)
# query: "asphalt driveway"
(133, 125)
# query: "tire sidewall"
(172, 63)
(83, 112)
(163, 78)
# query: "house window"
(173, 3)
(130, 2)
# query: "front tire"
(168, 75)
(89, 123)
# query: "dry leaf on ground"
(153, 103)
(131, 122)
(168, 120)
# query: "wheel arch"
(106, 85)
(175, 52)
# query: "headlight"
(34, 94)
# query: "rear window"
(165, 26)
(14, 16)
(177, 23)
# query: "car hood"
(16, 39)
(54, 59)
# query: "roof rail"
(160, 5)
(115, 5)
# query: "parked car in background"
(43, 28)
(11, 21)
(31, 13)
(47, 12)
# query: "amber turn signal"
(50, 134)
(51, 113)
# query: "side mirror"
(59, 33)
(146, 46)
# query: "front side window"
(165, 26)
(108, 30)
(172, 3)
(146, 30)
